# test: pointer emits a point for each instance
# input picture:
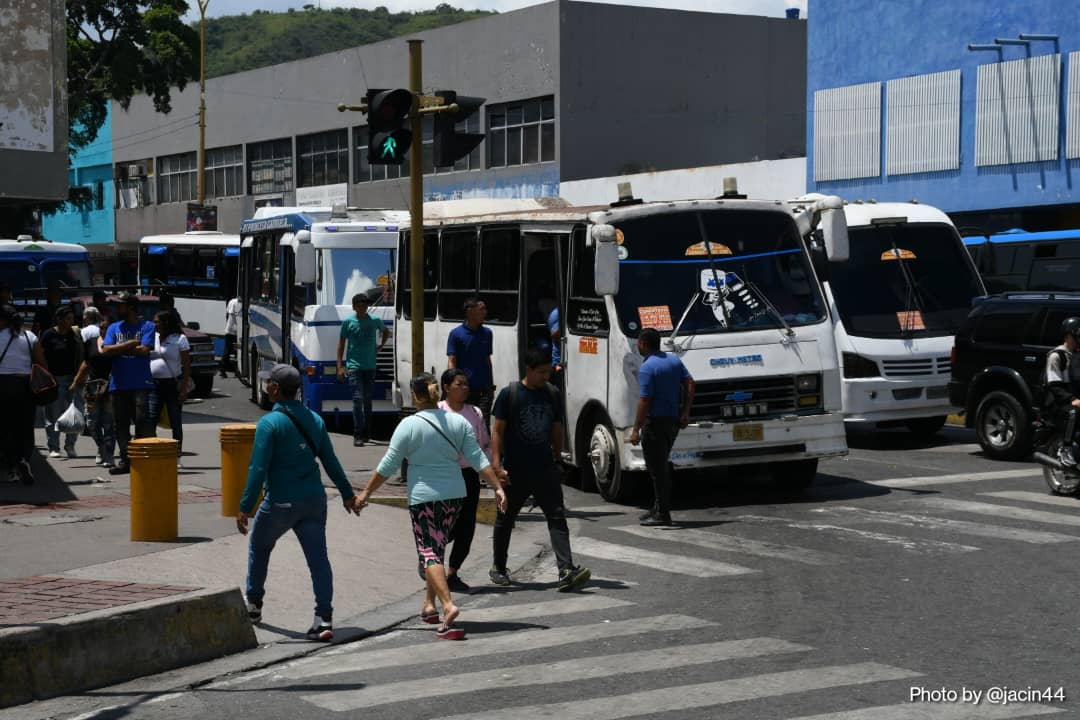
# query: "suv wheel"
(1003, 426)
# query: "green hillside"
(236, 43)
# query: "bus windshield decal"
(698, 250)
(899, 253)
(657, 317)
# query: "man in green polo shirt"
(357, 346)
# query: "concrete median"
(102, 648)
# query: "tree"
(120, 48)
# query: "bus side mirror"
(605, 259)
(834, 228)
(305, 259)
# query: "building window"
(270, 167)
(225, 172)
(847, 132)
(323, 158)
(177, 178)
(521, 133)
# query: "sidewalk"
(69, 561)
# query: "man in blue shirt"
(469, 347)
(667, 391)
(289, 442)
(129, 342)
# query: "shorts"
(433, 528)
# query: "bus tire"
(794, 476)
(603, 463)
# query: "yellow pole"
(236, 444)
(416, 210)
(154, 501)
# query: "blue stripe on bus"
(1021, 237)
(705, 259)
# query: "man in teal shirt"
(357, 346)
(284, 467)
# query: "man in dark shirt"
(526, 442)
(45, 315)
(469, 347)
(62, 346)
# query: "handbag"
(42, 383)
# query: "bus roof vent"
(339, 211)
(731, 190)
(25, 238)
(626, 196)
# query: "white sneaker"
(1065, 455)
(97, 459)
(54, 453)
(322, 630)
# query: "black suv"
(998, 361)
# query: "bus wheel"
(794, 476)
(604, 462)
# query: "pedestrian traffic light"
(451, 145)
(388, 138)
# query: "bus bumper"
(875, 400)
(781, 440)
(330, 398)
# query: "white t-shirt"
(232, 316)
(91, 332)
(17, 360)
(165, 362)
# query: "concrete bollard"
(236, 444)
(154, 510)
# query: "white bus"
(896, 303)
(299, 269)
(199, 269)
(727, 282)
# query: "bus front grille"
(743, 398)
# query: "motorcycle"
(1049, 438)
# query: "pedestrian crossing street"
(633, 663)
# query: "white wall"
(763, 180)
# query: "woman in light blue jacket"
(433, 440)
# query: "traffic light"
(450, 145)
(388, 138)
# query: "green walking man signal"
(388, 137)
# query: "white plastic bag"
(71, 422)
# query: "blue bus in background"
(1021, 260)
(28, 266)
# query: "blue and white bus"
(1021, 260)
(299, 269)
(27, 266)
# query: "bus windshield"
(912, 280)
(22, 274)
(759, 276)
(361, 270)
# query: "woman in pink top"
(455, 391)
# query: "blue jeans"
(99, 418)
(166, 394)
(54, 410)
(307, 519)
(363, 384)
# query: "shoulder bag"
(301, 430)
(438, 430)
(42, 383)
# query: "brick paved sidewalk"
(24, 601)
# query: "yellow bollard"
(236, 444)
(154, 510)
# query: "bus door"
(243, 291)
(541, 291)
(286, 291)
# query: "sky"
(773, 8)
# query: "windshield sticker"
(623, 252)
(619, 237)
(588, 346)
(910, 320)
(656, 316)
(900, 253)
(698, 250)
(732, 290)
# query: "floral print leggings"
(433, 528)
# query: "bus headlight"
(807, 383)
(857, 366)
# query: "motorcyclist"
(1063, 386)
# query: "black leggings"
(16, 420)
(465, 527)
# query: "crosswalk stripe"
(563, 606)
(609, 509)
(729, 543)
(697, 567)
(937, 711)
(1037, 497)
(964, 527)
(907, 482)
(1005, 511)
(585, 668)
(523, 640)
(959, 448)
(916, 545)
(689, 697)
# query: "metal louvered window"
(1072, 105)
(922, 131)
(1017, 116)
(847, 132)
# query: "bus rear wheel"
(604, 463)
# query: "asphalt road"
(913, 580)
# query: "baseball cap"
(126, 298)
(286, 376)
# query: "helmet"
(1071, 326)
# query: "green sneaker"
(499, 577)
(573, 577)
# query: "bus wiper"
(682, 319)
(913, 294)
(715, 272)
(765, 301)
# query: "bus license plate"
(749, 432)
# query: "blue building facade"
(90, 168)
(967, 105)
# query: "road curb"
(106, 647)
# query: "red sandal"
(431, 618)
(450, 633)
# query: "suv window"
(1006, 323)
(1049, 334)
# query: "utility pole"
(203, 4)
(416, 210)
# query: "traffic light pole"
(416, 211)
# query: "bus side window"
(457, 271)
(585, 311)
(431, 275)
(500, 270)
